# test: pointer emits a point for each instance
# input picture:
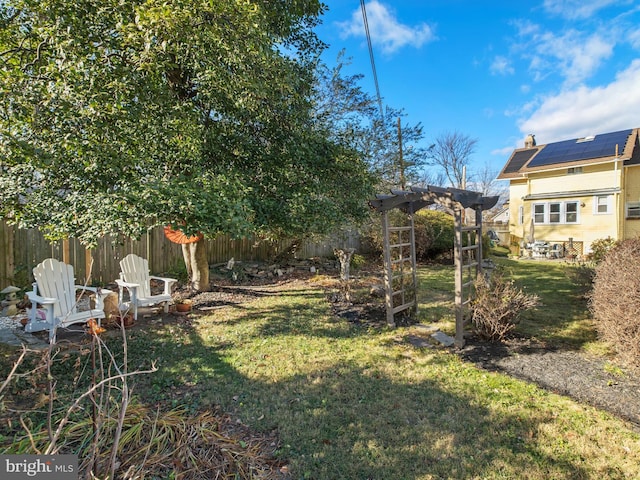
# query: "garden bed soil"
(587, 379)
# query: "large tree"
(120, 116)
(452, 152)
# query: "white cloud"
(576, 9)
(573, 54)
(501, 66)
(585, 111)
(506, 151)
(385, 29)
(634, 38)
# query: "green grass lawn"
(561, 319)
(350, 401)
(354, 402)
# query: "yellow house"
(565, 195)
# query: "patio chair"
(555, 251)
(55, 290)
(135, 278)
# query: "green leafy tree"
(120, 116)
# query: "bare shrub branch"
(498, 305)
(615, 300)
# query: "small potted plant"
(122, 319)
(183, 305)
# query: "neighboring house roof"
(606, 147)
(501, 215)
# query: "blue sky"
(497, 70)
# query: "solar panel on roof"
(518, 160)
(572, 150)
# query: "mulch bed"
(585, 378)
(580, 376)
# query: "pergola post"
(414, 264)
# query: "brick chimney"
(530, 141)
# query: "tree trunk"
(195, 259)
(344, 255)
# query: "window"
(558, 212)
(571, 212)
(633, 209)
(601, 204)
(554, 212)
(539, 212)
(521, 215)
(574, 170)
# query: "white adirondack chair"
(55, 290)
(135, 277)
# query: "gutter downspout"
(622, 178)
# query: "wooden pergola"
(400, 251)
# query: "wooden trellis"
(399, 247)
(399, 267)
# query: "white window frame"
(556, 213)
(574, 170)
(537, 214)
(602, 201)
(633, 207)
(566, 213)
(521, 215)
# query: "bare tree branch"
(451, 152)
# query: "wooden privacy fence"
(21, 250)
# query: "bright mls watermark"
(50, 467)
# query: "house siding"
(517, 190)
(597, 189)
(556, 187)
(632, 194)
(594, 177)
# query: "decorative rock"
(377, 291)
(443, 338)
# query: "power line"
(373, 63)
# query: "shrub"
(615, 300)
(434, 232)
(497, 306)
(600, 248)
(358, 261)
(486, 245)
